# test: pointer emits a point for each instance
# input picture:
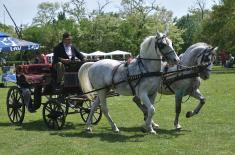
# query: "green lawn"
(210, 132)
(221, 69)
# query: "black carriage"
(37, 80)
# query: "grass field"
(210, 132)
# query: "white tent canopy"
(118, 52)
(97, 53)
(119, 55)
(85, 54)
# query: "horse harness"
(195, 73)
(158, 44)
(139, 77)
(168, 82)
(195, 70)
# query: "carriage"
(35, 87)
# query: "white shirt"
(68, 50)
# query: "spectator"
(230, 61)
(223, 57)
(43, 58)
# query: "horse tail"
(85, 81)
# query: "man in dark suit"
(64, 53)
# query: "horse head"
(165, 46)
(154, 47)
(205, 61)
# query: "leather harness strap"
(139, 77)
(114, 72)
(168, 82)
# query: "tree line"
(126, 28)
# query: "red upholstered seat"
(34, 73)
(34, 68)
(34, 78)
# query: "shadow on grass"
(5, 124)
(126, 134)
(39, 125)
(108, 136)
(173, 133)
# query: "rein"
(195, 73)
(197, 68)
(130, 78)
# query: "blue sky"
(23, 11)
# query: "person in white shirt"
(64, 53)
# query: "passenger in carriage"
(64, 53)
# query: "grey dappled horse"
(187, 82)
(107, 74)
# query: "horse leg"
(104, 108)
(196, 94)
(93, 107)
(152, 99)
(151, 110)
(143, 108)
(178, 101)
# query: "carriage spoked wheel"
(54, 114)
(85, 111)
(15, 105)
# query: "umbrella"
(9, 44)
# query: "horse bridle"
(160, 45)
(205, 59)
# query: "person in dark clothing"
(64, 53)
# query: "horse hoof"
(88, 130)
(147, 130)
(152, 132)
(116, 130)
(189, 114)
(178, 127)
(155, 126)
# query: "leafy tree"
(75, 8)
(47, 13)
(124, 30)
(218, 29)
(7, 29)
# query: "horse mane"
(147, 45)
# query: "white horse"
(141, 77)
(184, 79)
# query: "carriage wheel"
(54, 114)
(15, 105)
(85, 111)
